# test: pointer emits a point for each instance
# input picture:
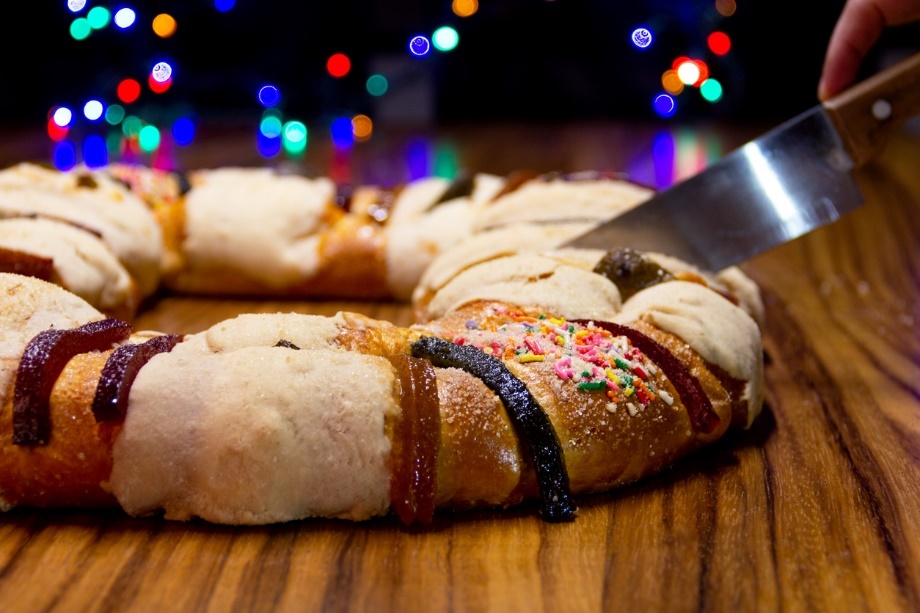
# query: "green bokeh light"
(114, 114)
(711, 90)
(377, 85)
(270, 127)
(98, 17)
(445, 38)
(113, 143)
(131, 126)
(80, 28)
(149, 138)
(294, 137)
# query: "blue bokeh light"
(224, 5)
(64, 155)
(269, 146)
(665, 105)
(269, 95)
(343, 134)
(183, 131)
(419, 45)
(95, 152)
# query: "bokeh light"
(128, 90)
(464, 8)
(93, 110)
(362, 127)
(672, 83)
(664, 105)
(183, 131)
(377, 85)
(164, 25)
(149, 138)
(269, 95)
(131, 126)
(113, 143)
(688, 72)
(64, 155)
(445, 38)
(726, 8)
(342, 132)
(161, 72)
(95, 153)
(641, 37)
(114, 113)
(294, 137)
(98, 17)
(268, 147)
(719, 43)
(419, 45)
(56, 132)
(124, 18)
(62, 116)
(711, 90)
(224, 5)
(158, 87)
(270, 126)
(76, 6)
(80, 28)
(338, 65)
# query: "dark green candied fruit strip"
(42, 362)
(528, 417)
(631, 271)
(119, 373)
(461, 187)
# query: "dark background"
(558, 60)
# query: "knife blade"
(794, 179)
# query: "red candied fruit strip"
(119, 373)
(416, 441)
(26, 264)
(44, 358)
(699, 407)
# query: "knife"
(786, 183)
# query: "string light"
(294, 137)
(183, 131)
(464, 8)
(114, 113)
(93, 110)
(98, 17)
(64, 155)
(158, 87)
(95, 153)
(664, 105)
(377, 85)
(672, 83)
(149, 138)
(688, 72)
(224, 5)
(62, 116)
(641, 37)
(270, 126)
(342, 131)
(445, 38)
(76, 6)
(80, 28)
(164, 25)
(269, 95)
(719, 43)
(128, 90)
(419, 45)
(711, 90)
(362, 127)
(55, 132)
(726, 8)
(161, 72)
(124, 18)
(338, 65)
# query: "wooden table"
(815, 508)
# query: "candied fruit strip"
(44, 358)
(26, 264)
(528, 417)
(416, 441)
(702, 416)
(119, 372)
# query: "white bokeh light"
(76, 5)
(124, 18)
(62, 116)
(688, 73)
(161, 72)
(93, 110)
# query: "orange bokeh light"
(464, 8)
(164, 25)
(361, 127)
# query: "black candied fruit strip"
(702, 416)
(43, 360)
(525, 412)
(461, 187)
(286, 344)
(119, 373)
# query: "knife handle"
(867, 114)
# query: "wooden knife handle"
(869, 112)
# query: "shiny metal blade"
(788, 182)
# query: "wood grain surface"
(815, 508)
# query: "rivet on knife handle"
(855, 112)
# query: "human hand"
(858, 28)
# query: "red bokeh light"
(128, 90)
(338, 65)
(719, 43)
(704, 72)
(56, 132)
(158, 87)
(678, 61)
